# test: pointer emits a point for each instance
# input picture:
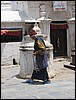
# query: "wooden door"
(59, 41)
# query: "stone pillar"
(71, 34)
(45, 27)
(26, 60)
(73, 57)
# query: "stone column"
(45, 27)
(71, 32)
(26, 60)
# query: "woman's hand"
(34, 53)
(38, 52)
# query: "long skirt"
(42, 74)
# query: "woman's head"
(36, 32)
(32, 34)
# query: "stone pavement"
(62, 85)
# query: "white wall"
(9, 51)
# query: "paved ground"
(61, 87)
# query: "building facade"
(57, 21)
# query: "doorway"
(58, 36)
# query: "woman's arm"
(41, 48)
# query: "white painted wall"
(9, 51)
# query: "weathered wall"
(10, 51)
(13, 25)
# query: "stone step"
(69, 66)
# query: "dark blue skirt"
(42, 74)
(42, 60)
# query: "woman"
(40, 55)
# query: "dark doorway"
(58, 36)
